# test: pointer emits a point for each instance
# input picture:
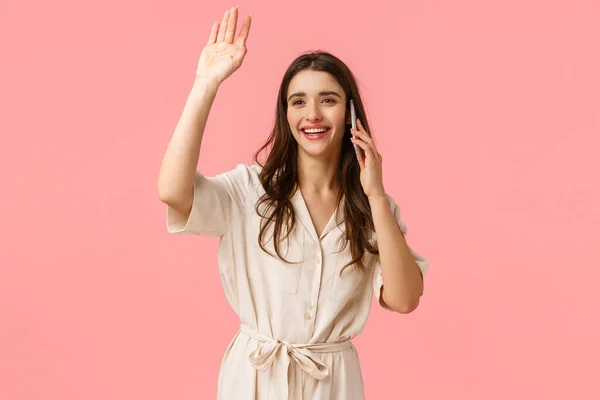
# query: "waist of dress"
(313, 347)
(277, 355)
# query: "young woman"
(305, 239)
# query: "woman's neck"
(318, 176)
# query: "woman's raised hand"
(222, 56)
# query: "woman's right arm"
(219, 59)
(175, 184)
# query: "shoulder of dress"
(250, 169)
(391, 201)
(248, 172)
(246, 176)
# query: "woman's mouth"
(315, 134)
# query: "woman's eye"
(298, 101)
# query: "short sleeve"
(420, 260)
(217, 201)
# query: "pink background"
(488, 117)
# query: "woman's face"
(316, 101)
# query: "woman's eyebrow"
(324, 93)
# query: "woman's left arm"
(402, 277)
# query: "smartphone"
(357, 149)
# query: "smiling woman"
(307, 239)
(315, 93)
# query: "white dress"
(296, 320)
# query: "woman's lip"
(315, 136)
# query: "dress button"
(310, 306)
(307, 316)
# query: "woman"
(305, 239)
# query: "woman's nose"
(313, 113)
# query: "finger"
(360, 156)
(366, 136)
(223, 26)
(366, 148)
(244, 31)
(230, 33)
(213, 33)
(360, 126)
(362, 135)
(362, 159)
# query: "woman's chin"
(317, 151)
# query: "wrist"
(203, 90)
(377, 197)
(202, 84)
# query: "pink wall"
(488, 118)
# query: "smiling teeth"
(315, 130)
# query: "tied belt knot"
(277, 355)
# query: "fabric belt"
(277, 355)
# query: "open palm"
(221, 56)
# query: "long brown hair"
(279, 173)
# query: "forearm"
(403, 284)
(180, 161)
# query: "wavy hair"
(280, 170)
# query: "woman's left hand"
(371, 177)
